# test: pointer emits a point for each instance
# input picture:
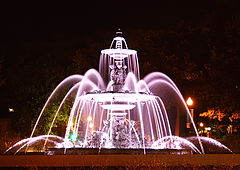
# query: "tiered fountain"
(114, 111)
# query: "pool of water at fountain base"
(114, 151)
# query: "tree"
(29, 84)
(214, 114)
(58, 126)
(87, 57)
(2, 79)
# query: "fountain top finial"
(119, 32)
(118, 42)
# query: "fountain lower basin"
(114, 151)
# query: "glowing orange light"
(71, 124)
(201, 124)
(91, 125)
(89, 118)
(189, 101)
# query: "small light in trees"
(73, 136)
(207, 128)
(71, 124)
(201, 124)
(89, 118)
(10, 109)
(91, 125)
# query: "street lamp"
(189, 101)
(201, 124)
(189, 104)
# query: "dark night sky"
(69, 25)
(36, 21)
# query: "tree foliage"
(54, 122)
(2, 77)
(214, 114)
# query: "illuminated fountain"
(114, 110)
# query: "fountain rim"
(119, 96)
(120, 51)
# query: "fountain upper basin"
(111, 96)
